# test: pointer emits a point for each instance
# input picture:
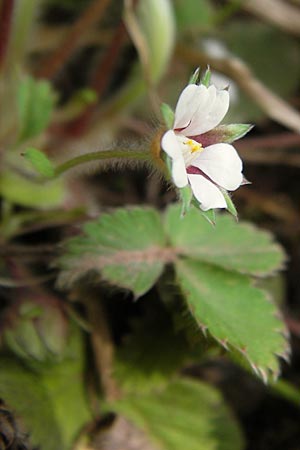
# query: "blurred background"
(78, 76)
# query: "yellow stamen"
(194, 146)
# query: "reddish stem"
(99, 80)
(56, 61)
(6, 13)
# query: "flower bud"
(35, 328)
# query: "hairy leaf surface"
(234, 246)
(126, 247)
(185, 415)
(235, 312)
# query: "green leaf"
(127, 248)
(23, 191)
(52, 409)
(36, 101)
(186, 415)
(193, 14)
(234, 246)
(40, 162)
(237, 314)
(168, 115)
(26, 395)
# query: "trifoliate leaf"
(126, 248)
(36, 101)
(185, 415)
(168, 115)
(40, 162)
(234, 246)
(237, 314)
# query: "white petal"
(179, 174)
(208, 116)
(191, 98)
(222, 164)
(208, 194)
(172, 147)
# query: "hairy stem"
(98, 156)
(102, 345)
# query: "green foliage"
(235, 312)
(36, 101)
(193, 14)
(129, 248)
(184, 415)
(24, 392)
(238, 247)
(40, 162)
(23, 191)
(126, 247)
(36, 330)
(51, 402)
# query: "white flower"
(198, 157)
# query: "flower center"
(193, 145)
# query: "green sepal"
(195, 77)
(168, 115)
(230, 205)
(209, 215)
(234, 131)
(186, 196)
(205, 79)
(40, 162)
